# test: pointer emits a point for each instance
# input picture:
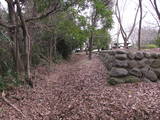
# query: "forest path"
(78, 90)
(76, 87)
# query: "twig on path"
(13, 106)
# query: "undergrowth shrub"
(9, 80)
(64, 49)
(150, 46)
(35, 60)
(8, 77)
(158, 41)
(58, 58)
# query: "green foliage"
(73, 29)
(64, 49)
(104, 13)
(6, 63)
(4, 38)
(35, 60)
(150, 46)
(58, 58)
(42, 5)
(98, 23)
(102, 38)
(131, 79)
(128, 79)
(158, 41)
(8, 77)
(68, 31)
(115, 81)
(9, 80)
(3, 84)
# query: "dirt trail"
(78, 90)
(83, 79)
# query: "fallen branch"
(13, 106)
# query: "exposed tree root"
(13, 106)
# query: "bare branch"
(154, 4)
(156, 8)
(155, 17)
(3, 24)
(52, 11)
(140, 24)
(123, 32)
(134, 24)
(121, 20)
(57, 8)
(118, 15)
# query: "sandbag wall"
(128, 67)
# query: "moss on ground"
(127, 79)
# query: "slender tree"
(157, 10)
(140, 25)
(93, 25)
(122, 30)
(101, 12)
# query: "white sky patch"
(4, 3)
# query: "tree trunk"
(55, 47)
(157, 9)
(98, 49)
(86, 48)
(18, 58)
(140, 26)
(26, 38)
(13, 34)
(118, 34)
(50, 52)
(90, 45)
(125, 43)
